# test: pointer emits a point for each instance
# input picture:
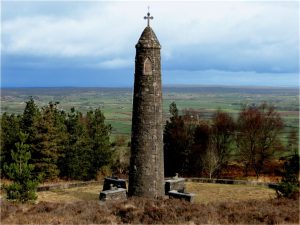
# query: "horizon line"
(163, 86)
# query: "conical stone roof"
(148, 39)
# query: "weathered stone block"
(113, 182)
(174, 184)
(112, 195)
(184, 196)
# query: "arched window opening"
(147, 67)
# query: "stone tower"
(146, 175)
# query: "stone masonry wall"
(146, 176)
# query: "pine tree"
(20, 172)
(289, 185)
(10, 129)
(99, 138)
(77, 158)
(178, 140)
(30, 114)
(49, 141)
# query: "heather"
(145, 211)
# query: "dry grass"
(215, 193)
(205, 193)
(86, 193)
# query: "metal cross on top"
(148, 17)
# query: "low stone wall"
(228, 181)
(193, 179)
(66, 185)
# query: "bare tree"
(222, 136)
(211, 161)
(257, 136)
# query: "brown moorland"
(214, 204)
(145, 211)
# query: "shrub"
(21, 192)
(287, 189)
(289, 186)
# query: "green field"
(116, 103)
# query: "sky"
(92, 43)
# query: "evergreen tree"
(49, 141)
(10, 129)
(173, 110)
(170, 156)
(20, 172)
(178, 141)
(289, 185)
(30, 114)
(77, 159)
(98, 133)
(73, 145)
(293, 141)
(198, 157)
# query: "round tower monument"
(146, 175)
